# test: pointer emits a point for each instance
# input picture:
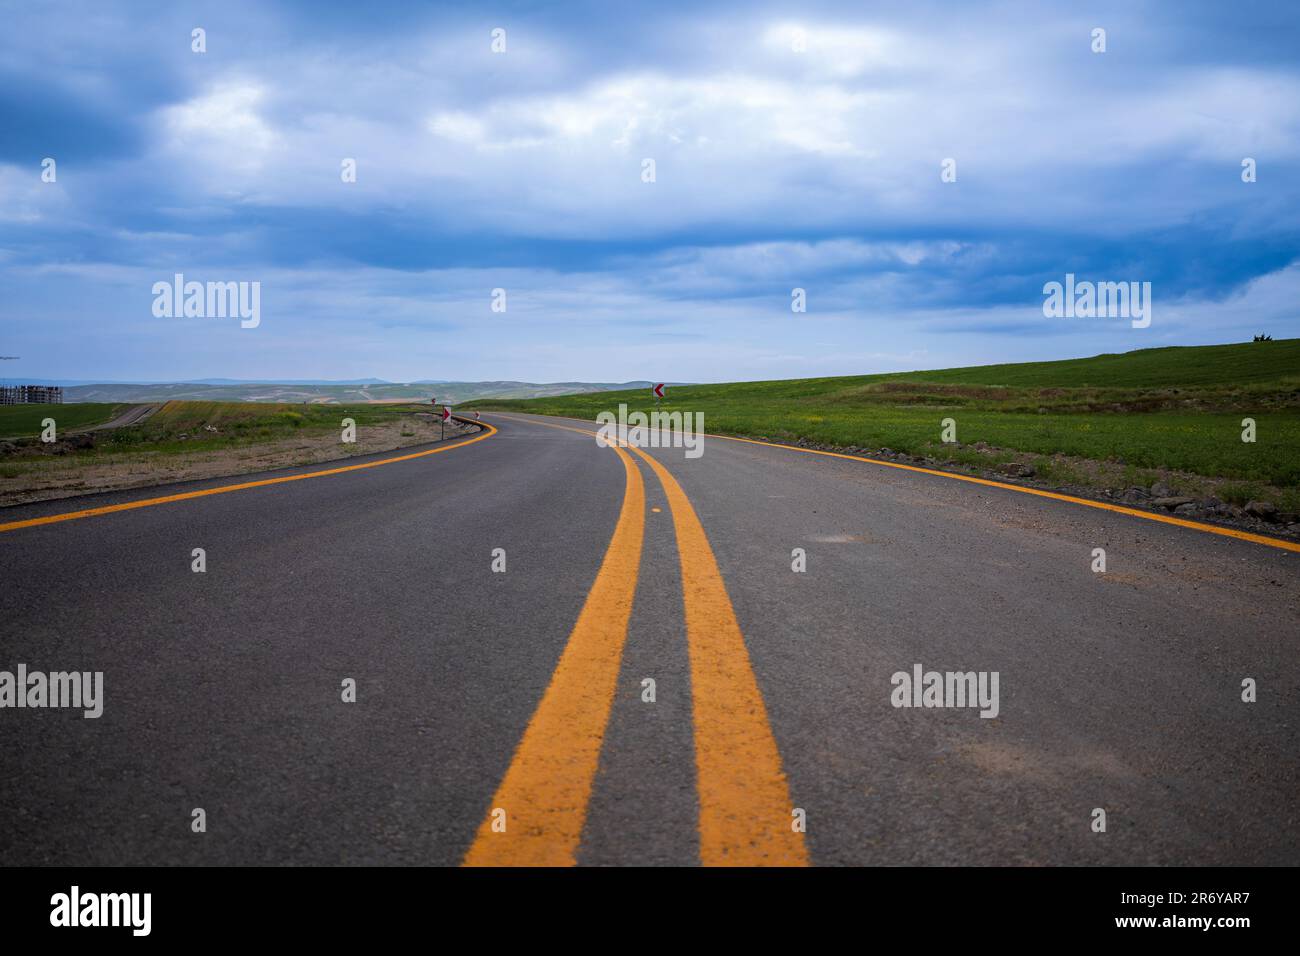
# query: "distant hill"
(364, 390)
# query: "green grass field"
(24, 421)
(237, 424)
(179, 426)
(1140, 412)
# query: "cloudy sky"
(795, 146)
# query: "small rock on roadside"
(1171, 502)
(1262, 510)
(1017, 469)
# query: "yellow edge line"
(166, 499)
(1118, 509)
(547, 787)
(745, 806)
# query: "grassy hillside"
(1141, 412)
(1186, 367)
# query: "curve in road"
(525, 691)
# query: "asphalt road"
(523, 691)
(131, 415)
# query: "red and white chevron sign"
(446, 413)
(659, 390)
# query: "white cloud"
(839, 50)
(222, 127)
(849, 133)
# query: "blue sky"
(776, 168)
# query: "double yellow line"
(745, 809)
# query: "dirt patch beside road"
(62, 476)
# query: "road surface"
(503, 717)
(131, 415)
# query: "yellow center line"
(745, 806)
(547, 787)
(185, 496)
